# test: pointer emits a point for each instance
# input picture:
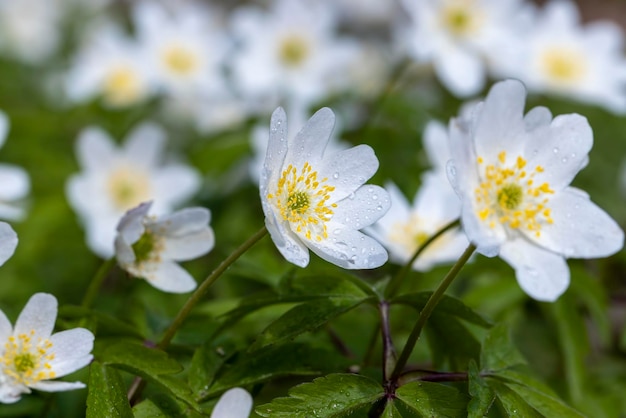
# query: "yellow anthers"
(302, 200)
(180, 60)
(27, 361)
(506, 195)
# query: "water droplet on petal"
(555, 150)
(564, 160)
(336, 175)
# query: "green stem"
(96, 283)
(428, 310)
(396, 281)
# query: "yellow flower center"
(460, 18)
(509, 196)
(413, 233)
(127, 187)
(180, 60)
(293, 50)
(302, 200)
(27, 361)
(122, 86)
(563, 65)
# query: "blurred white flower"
(14, 182)
(111, 66)
(30, 29)
(406, 227)
(31, 355)
(512, 173)
(559, 55)
(317, 200)
(457, 37)
(291, 52)
(113, 180)
(184, 46)
(234, 403)
(149, 246)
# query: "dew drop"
(535, 152)
(351, 196)
(336, 175)
(337, 231)
(555, 150)
(375, 197)
(564, 160)
(379, 207)
(573, 155)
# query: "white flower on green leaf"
(318, 201)
(148, 246)
(234, 403)
(31, 356)
(512, 173)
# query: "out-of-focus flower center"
(122, 86)
(563, 65)
(460, 18)
(27, 361)
(180, 60)
(127, 187)
(144, 247)
(411, 234)
(302, 200)
(293, 50)
(508, 195)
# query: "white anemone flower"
(457, 37)
(512, 173)
(14, 182)
(31, 355)
(115, 180)
(234, 403)
(149, 246)
(317, 200)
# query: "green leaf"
(428, 399)
(107, 324)
(449, 340)
(205, 363)
(447, 306)
(511, 403)
(162, 406)
(107, 393)
(498, 351)
(391, 411)
(294, 359)
(305, 317)
(482, 396)
(335, 395)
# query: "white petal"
(542, 274)
(501, 120)
(363, 208)
(234, 403)
(145, 144)
(399, 210)
(349, 249)
(486, 239)
(581, 229)
(310, 142)
(95, 149)
(461, 71)
(8, 242)
(174, 184)
(276, 149)
(183, 222)
(189, 246)
(39, 315)
(71, 349)
(347, 170)
(536, 117)
(14, 182)
(12, 212)
(170, 277)
(131, 225)
(101, 235)
(57, 386)
(6, 329)
(286, 241)
(462, 169)
(4, 128)
(435, 141)
(436, 198)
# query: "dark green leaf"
(162, 406)
(428, 399)
(449, 340)
(305, 317)
(107, 393)
(391, 411)
(205, 363)
(335, 395)
(511, 403)
(107, 324)
(482, 396)
(276, 361)
(326, 285)
(498, 351)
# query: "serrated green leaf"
(305, 317)
(428, 399)
(332, 396)
(107, 393)
(294, 359)
(511, 403)
(482, 396)
(107, 324)
(498, 351)
(447, 306)
(449, 340)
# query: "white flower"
(560, 56)
(111, 66)
(318, 201)
(234, 403)
(149, 246)
(31, 355)
(512, 173)
(14, 182)
(456, 36)
(290, 52)
(114, 180)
